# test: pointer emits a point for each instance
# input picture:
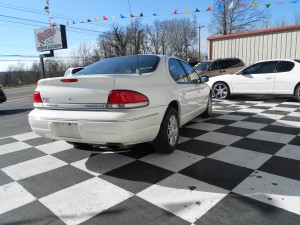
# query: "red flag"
(175, 11)
(105, 18)
(131, 15)
(244, 6)
(208, 9)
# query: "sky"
(19, 18)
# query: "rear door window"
(262, 67)
(284, 66)
(177, 72)
(194, 77)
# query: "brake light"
(126, 99)
(37, 99)
(69, 80)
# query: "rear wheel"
(221, 90)
(297, 93)
(208, 111)
(168, 135)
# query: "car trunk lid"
(80, 92)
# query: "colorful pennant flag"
(268, 5)
(154, 14)
(175, 11)
(89, 20)
(244, 6)
(254, 4)
(141, 14)
(132, 16)
(122, 17)
(105, 18)
(74, 22)
(279, 3)
(197, 10)
(208, 9)
(219, 7)
(295, 1)
(97, 19)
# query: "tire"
(221, 90)
(168, 135)
(297, 93)
(208, 111)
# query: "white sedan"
(278, 77)
(122, 101)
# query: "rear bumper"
(102, 127)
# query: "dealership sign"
(50, 38)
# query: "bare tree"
(296, 18)
(241, 16)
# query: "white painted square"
(269, 116)
(286, 123)
(205, 126)
(251, 110)
(175, 162)
(241, 157)
(291, 103)
(13, 147)
(26, 136)
(83, 201)
(272, 189)
(232, 117)
(294, 114)
(248, 125)
(102, 163)
(219, 138)
(289, 151)
(265, 104)
(33, 167)
(12, 196)
(271, 136)
(54, 147)
(184, 196)
(283, 109)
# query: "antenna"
(137, 56)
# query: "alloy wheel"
(172, 130)
(220, 91)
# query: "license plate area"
(68, 130)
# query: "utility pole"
(199, 43)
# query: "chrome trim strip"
(88, 106)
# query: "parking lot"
(242, 166)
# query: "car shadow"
(7, 112)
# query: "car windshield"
(297, 60)
(202, 66)
(122, 65)
(76, 70)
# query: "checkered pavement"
(242, 166)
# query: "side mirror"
(204, 79)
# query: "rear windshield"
(122, 65)
(297, 60)
(202, 66)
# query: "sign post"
(50, 38)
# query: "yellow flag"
(254, 4)
(96, 19)
(187, 11)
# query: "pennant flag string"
(175, 12)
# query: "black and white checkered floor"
(242, 166)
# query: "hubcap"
(220, 91)
(172, 130)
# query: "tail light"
(37, 99)
(126, 99)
